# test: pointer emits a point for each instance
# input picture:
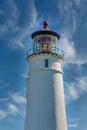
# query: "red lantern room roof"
(45, 31)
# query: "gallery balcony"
(46, 50)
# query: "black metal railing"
(53, 50)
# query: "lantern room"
(45, 41)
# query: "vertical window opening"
(46, 63)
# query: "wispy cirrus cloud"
(68, 46)
(3, 114)
(24, 76)
(72, 56)
(79, 3)
(67, 15)
(73, 119)
(15, 31)
(32, 23)
(18, 98)
(11, 15)
(15, 103)
(71, 13)
(13, 109)
(73, 125)
(73, 90)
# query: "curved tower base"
(45, 108)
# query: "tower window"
(46, 63)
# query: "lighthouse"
(45, 106)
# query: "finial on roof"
(45, 24)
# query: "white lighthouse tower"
(45, 107)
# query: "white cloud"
(74, 90)
(73, 125)
(20, 43)
(18, 98)
(82, 84)
(68, 47)
(13, 16)
(3, 114)
(74, 25)
(34, 22)
(72, 56)
(73, 119)
(71, 19)
(34, 14)
(10, 112)
(15, 106)
(13, 109)
(17, 43)
(71, 93)
(68, 14)
(24, 76)
(77, 2)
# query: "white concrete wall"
(45, 108)
(37, 63)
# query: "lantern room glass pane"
(45, 44)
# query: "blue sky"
(18, 19)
